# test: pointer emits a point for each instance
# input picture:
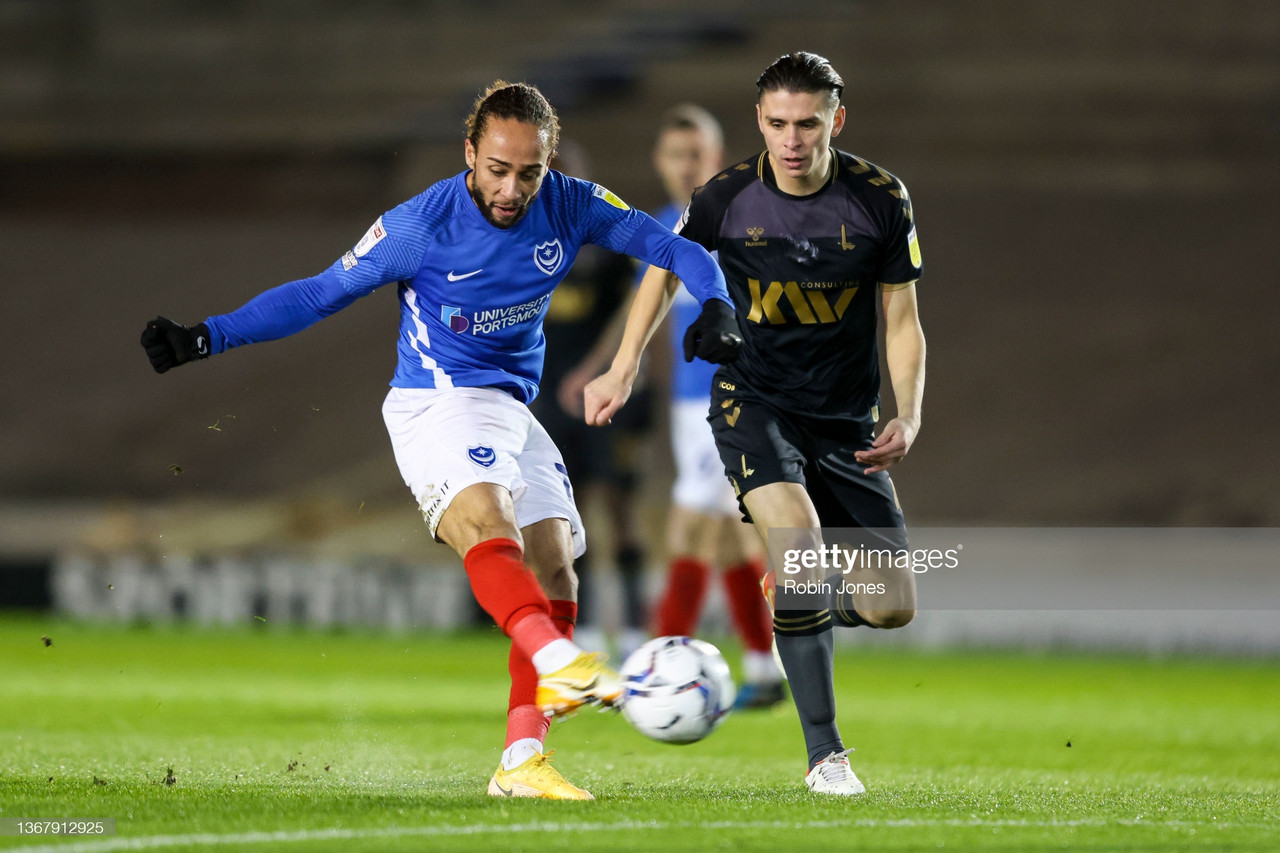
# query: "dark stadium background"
(1095, 185)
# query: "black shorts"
(760, 443)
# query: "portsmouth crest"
(548, 256)
(482, 455)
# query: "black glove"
(714, 336)
(169, 344)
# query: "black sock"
(807, 648)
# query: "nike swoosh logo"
(506, 792)
(453, 277)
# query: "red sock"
(523, 717)
(527, 721)
(509, 592)
(747, 606)
(565, 614)
(681, 603)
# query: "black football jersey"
(802, 272)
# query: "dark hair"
(519, 101)
(801, 71)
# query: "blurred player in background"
(814, 243)
(476, 258)
(604, 464)
(704, 531)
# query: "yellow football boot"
(584, 680)
(535, 778)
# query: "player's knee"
(887, 619)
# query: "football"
(678, 689)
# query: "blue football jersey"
(472, 296)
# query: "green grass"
(362, 742)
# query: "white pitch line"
(154, 842)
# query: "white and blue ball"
(678, 689)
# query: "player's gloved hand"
(169, 344)
(714, 336)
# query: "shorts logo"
(548, 256)
(452, 317)
(482, 456)
(432, 504)
(731, 418)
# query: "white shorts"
(701, 485)
(446, 439)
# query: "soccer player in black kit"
(813, 242)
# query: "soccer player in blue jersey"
(475, 258)
(815, 243)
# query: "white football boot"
(833, 775)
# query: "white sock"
(520, 752)
(760, 668)
(554, 655)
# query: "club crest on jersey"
(482, 456)
(452, 317)
(548, 256)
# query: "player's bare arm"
(904, 354)
(606, 394)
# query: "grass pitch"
(268, 739)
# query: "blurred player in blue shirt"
(704, 528)
(475, 259)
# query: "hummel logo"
(453, 277)
(754, 233)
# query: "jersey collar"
(764, 170)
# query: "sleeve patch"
(371, 238)
(603, 194)
(914, 246)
